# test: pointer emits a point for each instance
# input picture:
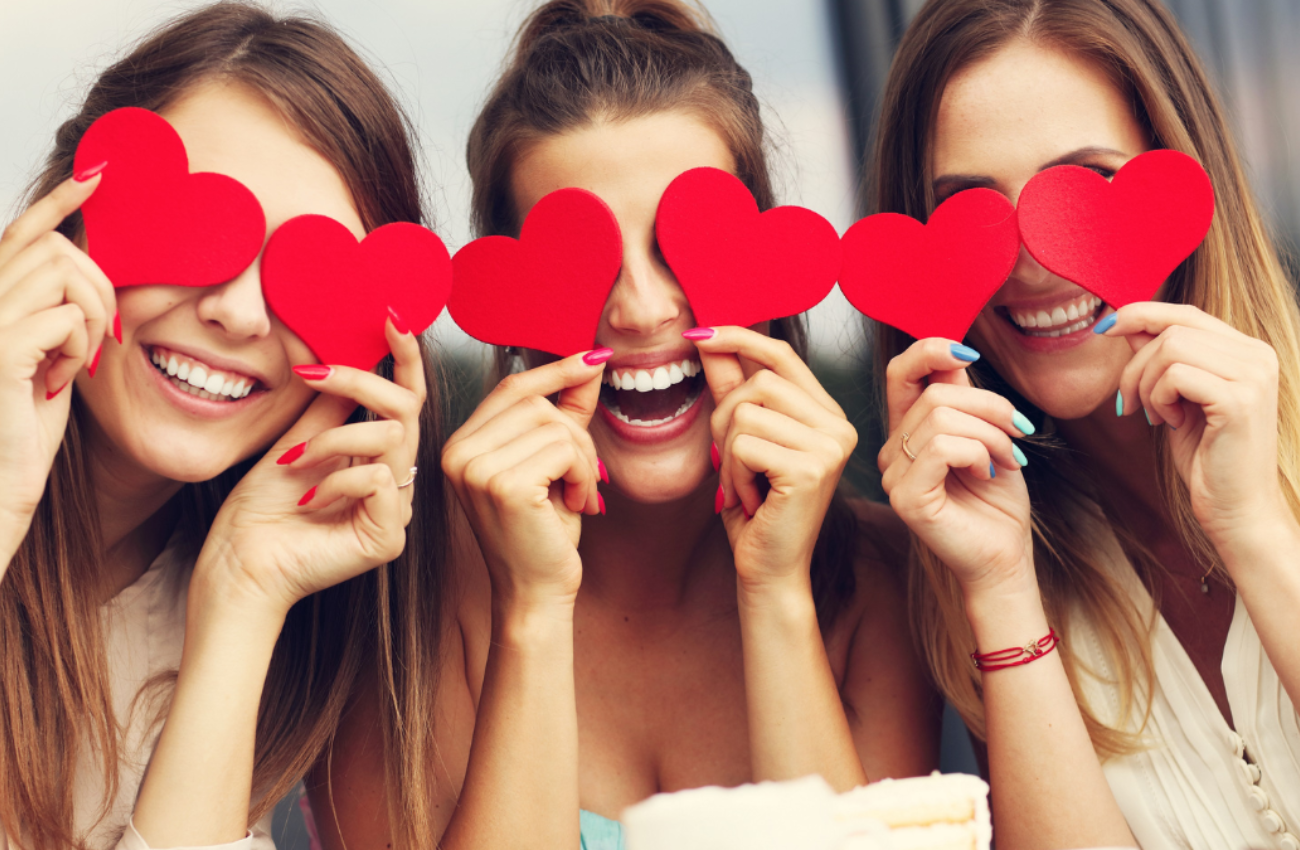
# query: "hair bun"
(660, 16)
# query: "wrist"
(222, 590)
(529, 622)
(1260, 534)
(784, 598)
(1008, 614)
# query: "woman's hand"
(56, 308)
(324, 505)
(525, 470)
(963, 494)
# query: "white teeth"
(1064, 319)
(1029, 321)
(1058, 316)
(660, 378)
(172, 365)
(615, 380)
(644, 383)
(198, 381)
(214, 383)
(184, 372)
(642, 423)
(198, 377)
(228, 388)
(1043, 319)
(239, 390)
(1072, 313)
(675, 374)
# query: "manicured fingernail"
(700, 334)
(600, 500)
(1119, 403)
(1022, 423)
(292, 455)
(715, 456)
(1148, 416)
(1019, 455)
(86, 173)
(993, 473)
(598, 356)
(313, 373)
(1172, 428)
(398, 324)
(964, 352)
(94, 361)
(604, 473)
(50, 395)
(117, 327)
(1106, 323)
(307, 497)
(718, 500)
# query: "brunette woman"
(1154, 530)
(680, 628)
(158, 527)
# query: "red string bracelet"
(1017, 655)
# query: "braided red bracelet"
(1017, 655)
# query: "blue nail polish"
(1172, 428)
(993, 473)
(964, 352)
(1021, 421)
(1105, 324)
(1119, 403)
(1019, 455)
(1148, 416)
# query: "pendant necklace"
(1205, 586)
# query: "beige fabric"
(1200, 784)
(144, 630)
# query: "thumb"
(579, 401)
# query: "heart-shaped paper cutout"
(334, 292)
(932, 279)
(1119, 239)
(151, 221)
(545, 290)
(736, 265)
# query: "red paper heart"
(150, 220)
(932, 279)
(736, 265)
(334, 292)
(545, 290)
(1119, 239)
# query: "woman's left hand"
(324, 504)
(772, 418)
(1218, 388)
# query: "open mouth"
(1063, 319)
(644, 398)
(200, 379)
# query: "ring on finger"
(408, 482)
(907, 450)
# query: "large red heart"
(1119, 239)
(736, 265)
(334, 292)
(545, 290)
(932, 279)
(150, 220)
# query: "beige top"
(144, 628)
(1200, 783)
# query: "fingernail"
(1022, 423)
(1019, 455)
(748, 515)
(718, 500)
(117, 327)
(1148, 416)
(993, 473)
(715, 456)
(398, 324)
(1106, 323)
(604, 473)
(86, 173)
(313, 373)
(598, 356)
(1172, 428)
(50, 395)
(964, 352)
(600, 500)
(1119, 403)
(307, 497)
(94, 361)
(700, 334)
(292, 455)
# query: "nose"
(1028, 270)
(237, 307)
(646, 298)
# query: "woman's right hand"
(56, 307)
(963, 495)
(525, 470)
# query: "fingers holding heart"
(950, 422)
(982, 405)
(920, 491)
(725, 353)
(793, 455)
(926, 362)
(529, 463)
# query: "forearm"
(521, 786)
(797, 724)
(1048, 789)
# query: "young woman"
(155, 537)
(1155, 528)
(682, 627)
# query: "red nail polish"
(598, 356)
(600, 500)
(700, 334)
(94, 361)
(719, 500)
(86, 173)
(50, 395)
(715, 456)
(397, 321)
(307, 497)
(292, 455)
(604, 473)
(313, 373)
(117, 327)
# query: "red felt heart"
(150, 220)
(1119, 239)
(545, 290)
(736, 265)
(932, 279)
(334, 292)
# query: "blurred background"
(818, 66)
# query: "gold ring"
(408, 482)
(907, 450)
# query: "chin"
(1063, 398)
(184, 457)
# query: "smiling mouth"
(644, 398)
(1063, 319)
(199, 379)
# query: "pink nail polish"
(50, 395)
(604, 473)
(313, 373)
(292, 455)
(700, 334)
(715, 456)
(719, 500)
(307, 497)
(94, 361)
(748, 515)
(600, 500)
(598, 356)
(398, 323)
(117, 327)
(86, 173)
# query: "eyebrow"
(974, 181)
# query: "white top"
(144, 628)
(1200, 784)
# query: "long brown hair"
(1235, 275)
(52, 658)
(576, 62)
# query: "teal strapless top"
(599, 833)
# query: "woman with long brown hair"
(178, 472)
(676, 629)
(1154, 530)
